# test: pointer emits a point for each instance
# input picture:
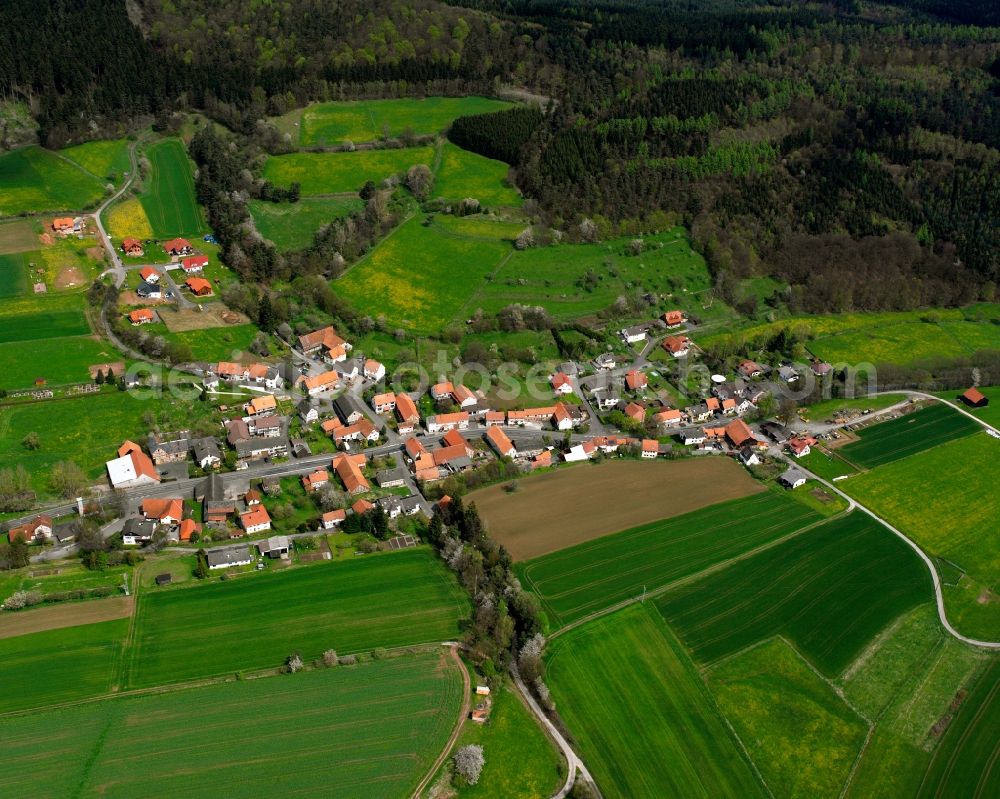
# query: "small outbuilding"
(975, 398)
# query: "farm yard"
(643, 719)
(800, 734)
(35, 179)
(590, 501)
(959, 524)
(829, 591)
(325, 124)
(593, 576)
(254, 622)
(368, 731)
(907, 435)
(168, 192)
(292, 226)
(340, 173)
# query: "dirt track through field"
(556, 510)
(68, 614)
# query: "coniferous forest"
(850, 148)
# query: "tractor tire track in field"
(462, 715)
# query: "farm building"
(274, 547)
(975, 398)
(793, 478)
(229, 557)
(131, 468)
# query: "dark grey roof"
(345, 405)
(140, 528)
(229, 556)
(793, 475)
(206, 447)
(305, 406)
(254, 445)
(146, 289)
(211, 489)
(391, 475)
(410, 504)
(173, 447)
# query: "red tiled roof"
(739, 433)
(255, 517)
(973, 395)
(153, 508)
(188, 528)
(194, 262)
(198, 285)
(176, 245)
(141, 315)
(500, 440)
(406, 408)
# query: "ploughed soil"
(69, 277)
(66, 614)
(568, 506)
(213, 314)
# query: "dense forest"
(850, 148)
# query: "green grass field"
(168, 193)
(50, 323)
(106, 159)
(643, 719)
(556, 277)
(464, 174)
(827, 466)
(257, 621)
(959, 523)
(292, 226)
(34, 179)
(85, 429)
(358, 732)
(368, 120)
(14, 274)
(59, 665)
(800, 734)
(828, 591)
(907, 341)
(907, 435)
(212, 343)
(56, 360)
(589, 577)
(520, 760)
(421, 277)
(337, 173)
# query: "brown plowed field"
(568, 506)
(68, 614)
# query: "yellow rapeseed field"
(129, 219)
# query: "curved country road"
(938, 594)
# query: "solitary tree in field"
(68, 479)
(294, 663)
(469, 762)
(419, 180)
(31, 441)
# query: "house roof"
(176, 244)
(500, 440)
(668, 415)
(450, 418)
(673, 317)
(317, 478)
(453, 439)
(675, 343)
(131, 466)
(635, 379)
(229, 556)
(650, 445)
(265, 402)
(635, 411)
(194, 262)
(461, 394)
(442, 389)
(141, 315)
(448, 454)
(973, 395)
(739, 433)
(321, 381)
(198, 284)
(130, 244)
(406, 408)
(347, 470)
(147, 272)
(325, 337)
(559, 380)
(255, 517)
(544, 412)
(334, 516)
(362, 506)
(413, 447)
(188, 528)
(156, 508)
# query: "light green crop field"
(960, 522)
(520, 760)
(34, 179)
(212, 343)
(589, 577)
(556, 277)
(358, 732)
(800, 734)
(828, 591)
(292, 226)
(106, 159)
(990, 414)
(86, 429)
(827, 465)
(338, 173)
(464, 174)
(642, 717)
(64, 665)
(168, 196)
(257, 621)
(907, 435)
(420, 277)
(13, 274)
(368, 120)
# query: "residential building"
(500, 442)
(635, 412)
(348, 409)
(674, 318)
(308, 412)
(750, 369)
(38, 529)
(229, 557)
(800, 446)
(332, 519)
(635, 380)
(194, 265)
(632, 335)
(164, 511)
(738, 434)
(561, 383)
(391, 478)
(136, 532)
(149, 291)
(132, 468)
(326, 344)
(384, 403)
(277, 546)
(788, 374)
(265, 426)
(348, 469)
(316, 480)
(678, 346)
(374, 370)
(255, 520)
(317, 384)
(198, 286)
(668, 418)
(259, 406)
(169, 451)
(178, 247)
(141, 316)
(447, 421)
(253, 449)
(650, 448)
(149, 274)
(132, 248)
